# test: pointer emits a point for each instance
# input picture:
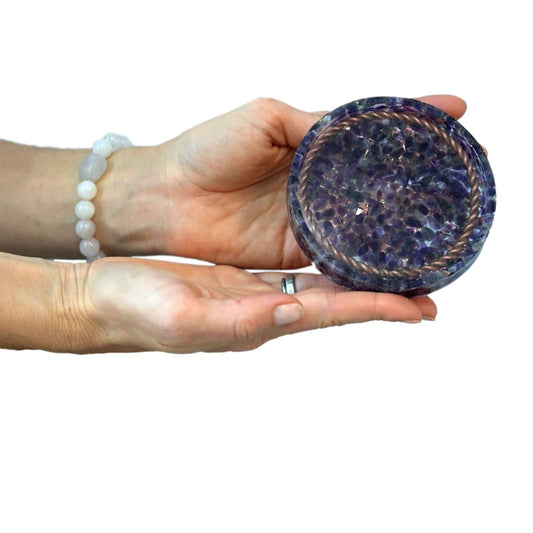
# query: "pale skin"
(217, 193)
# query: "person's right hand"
(217, 192)
(225, 184)
(131, 304)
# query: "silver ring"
(288, 285)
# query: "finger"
(427, 307)
(302, 280)
(258, 318)
(325, 309)
(296, 123)
(453, 105)
(249, 321)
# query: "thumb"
(297, 123)
(254, 318)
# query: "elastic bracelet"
(92, 168)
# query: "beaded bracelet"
(91, 170)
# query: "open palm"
(144, 304)
(227, 180)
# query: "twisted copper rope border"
(436, 264)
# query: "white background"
(374, 427)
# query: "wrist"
(76, 327)
(44, 307)
(132, 203)
(40, 193)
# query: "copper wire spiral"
(437, 264)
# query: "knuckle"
(378, 307)
(328, 318)
(266, 103)
(374, 308)
(246, 329)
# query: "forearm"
(42, 307)
(38, 195)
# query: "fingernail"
(428, 317)
(411, 321)
(287, 313)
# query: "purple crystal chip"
(391, 195)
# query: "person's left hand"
(134, 304)
(225, 184)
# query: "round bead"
(103, 147)
(126, 143)
(84, 210)
(87, 190)
(89, 247)
(99, 255)
(85, 229)
(118, 141)
(92, 167)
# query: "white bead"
(85, 229)
(87, 190)
(89, 247)
(103, 147)
(126, 143)
(92, 167)
(114, 139)
(118, 141)
(84, 210)
(99, 255)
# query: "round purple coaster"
(391, 195)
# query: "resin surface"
(390, 203)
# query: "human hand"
(133, 304)
(225, 183)
(216, 192)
